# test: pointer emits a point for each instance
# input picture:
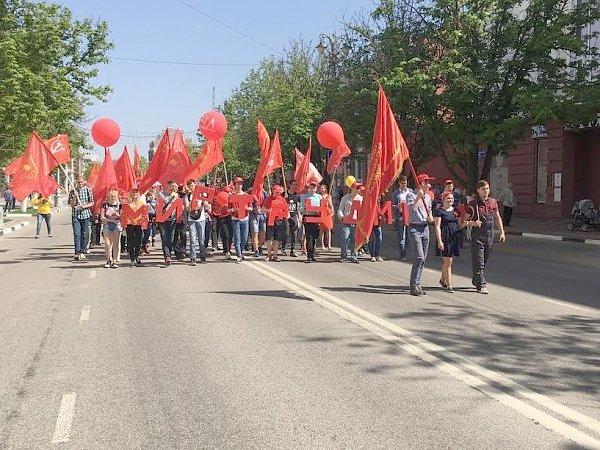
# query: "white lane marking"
(93, 274)
(85, 314)
(62, 431)
(591, 311)
(423, 349)
(593, 241)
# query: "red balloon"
(213, 125)
(106, 132)
(330, 135)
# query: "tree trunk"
(472, 170)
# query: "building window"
(541, 161)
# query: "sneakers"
(342, 260)
(256, 254)
(37, 236)
(49, 235)
(132, 264)
(373, 259)
(107, 265)
(193, 262)
(227, 255)
(239, 259)
(283, 253)
(354, 261)
(114, 266)
(293, 255)
(380, 259)
(414, 291)
(88, 251)
(167, 261)
(420, 289)
(138, 262)
(482, 290)
(443, 284)
(82, 256)
(404, 259)
(449, 290)
(202, 260)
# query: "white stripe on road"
(62, 431)
(427, 351)
(93, 274)
(548, 237)
(85, 314)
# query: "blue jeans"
(197, 236)
(375, 241)
(81, 233)
(419, 244)
(240, 235)
(40, 219)
(347, 239)
(167, 235)
(402, 231)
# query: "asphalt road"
(292, 355)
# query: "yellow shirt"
(43, 205)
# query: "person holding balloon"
(326, 226)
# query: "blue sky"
(148, 97)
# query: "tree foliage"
(48, 63)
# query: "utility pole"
(213, 98)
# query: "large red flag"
(93, 176)
(157, 163)
(208, 158)
(107, 178)
(178, 163)
(335, 159)
(305, 172)
(32, 173)
(388, 153)
(59, 147)
(137, 168)
(275, 160)
(271, 161)
(124, 172)
(11, 169)
(264, 141)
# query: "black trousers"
(481, 247)
(508, 211)
(134, 241)
(226, 229)
(312, 234)
(292, 233)
(180, 240)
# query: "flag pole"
(283, 178)
(225, 170)
(332, 179)
(269, 183)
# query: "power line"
(241, 33)
(183, 63)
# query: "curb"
(9, 229)
(551, 237)
(19, 216)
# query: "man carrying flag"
(81, 200)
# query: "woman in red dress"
(327, 225)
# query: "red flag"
(388, 153)
(157, 163)
(11, 169)
(32, 173)
(124, 172)
(335, 159)
(271, 161)
(305, 172)
(178, 163)
(107, 178)
(137, 168)
(59, 147)
(208, 158)
(93, 176)
(275, 160)
(264, 141)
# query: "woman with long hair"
(110, 216)
(447, 231)
(326, 226)
(482, 212)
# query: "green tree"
(285, 94)
(48, 62)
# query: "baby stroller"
(584, 216)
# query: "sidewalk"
(551, 229)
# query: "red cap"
(424, 177)
(356, 185)
(448, 181)
(238, 180)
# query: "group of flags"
(31, 171)
(171, 161)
